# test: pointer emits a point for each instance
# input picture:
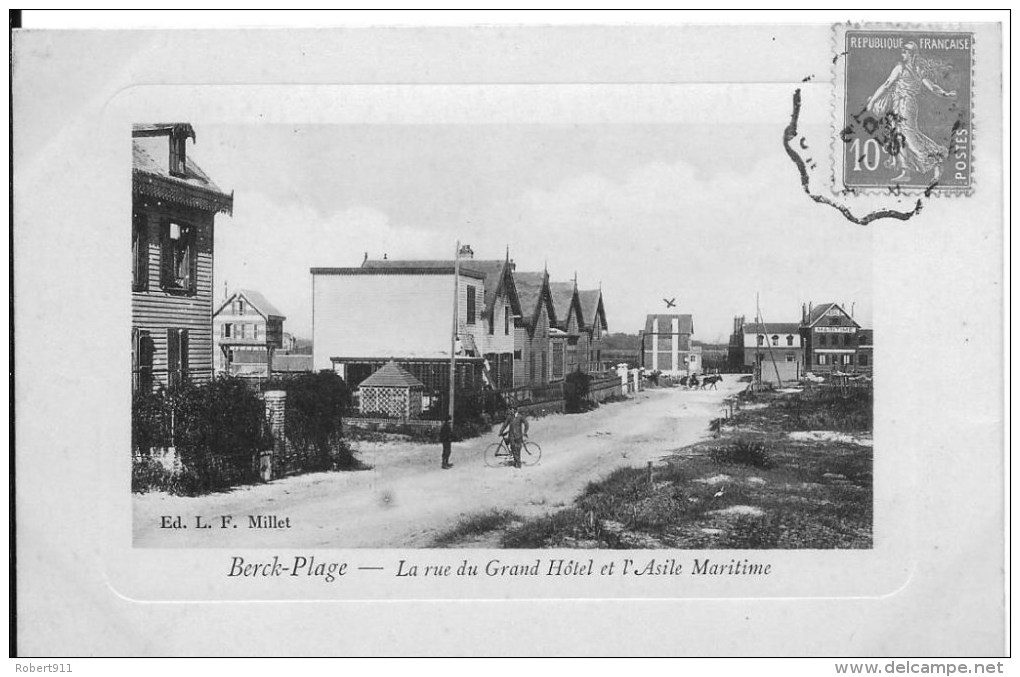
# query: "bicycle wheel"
(496, 454)
(531, 453)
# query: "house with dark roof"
(831, 337)
(593, 312)
(532, 349)
(567, 340)
(247, 330)
(666, 345)
(173, 204)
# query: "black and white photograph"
(635, 365)
(662, 338)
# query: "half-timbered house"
(173, 208)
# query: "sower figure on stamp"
(515, 429)
(913, 150)
(446, 437)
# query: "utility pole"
(779, 379)
(453, 332)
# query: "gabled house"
(532, 349)
(247, 330)
(566, 344)
(830, 336)
(666, 345)
(174, 204)
(594, 314)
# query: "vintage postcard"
(533, 326)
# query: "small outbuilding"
(392, 392)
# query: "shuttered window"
(471, 304)
(139, 253)
(506, 320)
(141, 360)
(176, 356)
(179, 257)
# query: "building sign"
(836, 330)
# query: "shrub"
(218, 429)
(744, 452)
(314, 428)
(150, 427)
(575, 391)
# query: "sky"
(711, 214)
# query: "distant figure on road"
(515, 429)
(446, 437)
(693, 382)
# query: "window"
(506, 320)
(775, 340)
(862, 360)
(176, 356)
(823, 340)
(470, 304)
(240, 306)
(761, 340)
(694, 358)
(142, 350)
(821, 359)
(139, 254)
(789, 340)
(255, 330)
(225, 331)
(790, 357)
(179, 258)
(848, 359)
(834, 321)
(517, 354)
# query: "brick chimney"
(466, 252)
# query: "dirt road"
(405, 500)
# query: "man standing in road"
(446, 437)
(515, 429)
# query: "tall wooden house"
(830, 336)
(532, 349)
(593, 312)
(247, 330)
(174, 204)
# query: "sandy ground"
(406, 499)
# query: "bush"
(150, 427)
(314, 428)
(744, 452)
(575, 391)
(218, 430)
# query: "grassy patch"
(750, 488)
(476, 525)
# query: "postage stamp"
(903, 114)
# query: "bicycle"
(499, 453)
